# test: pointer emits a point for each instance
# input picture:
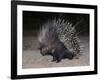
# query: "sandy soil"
(33, 59)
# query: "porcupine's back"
(60, 29)
(68, 35)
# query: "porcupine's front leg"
(56, 56)
(59, 56)
(54, 59)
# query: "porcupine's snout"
(43, 50)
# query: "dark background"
(33, 20)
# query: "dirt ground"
(31, 57)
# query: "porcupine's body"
(60, 51)
(59, 38)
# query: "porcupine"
(59, 38)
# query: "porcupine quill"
(59, 38)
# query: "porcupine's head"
(47, 37)
(43, 49)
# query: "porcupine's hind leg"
(71, 56)
(68, 54)
(55, 56)
(59, 54)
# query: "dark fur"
(59, 52)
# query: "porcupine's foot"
(70, 58)
(58, 61)
(54, 59)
